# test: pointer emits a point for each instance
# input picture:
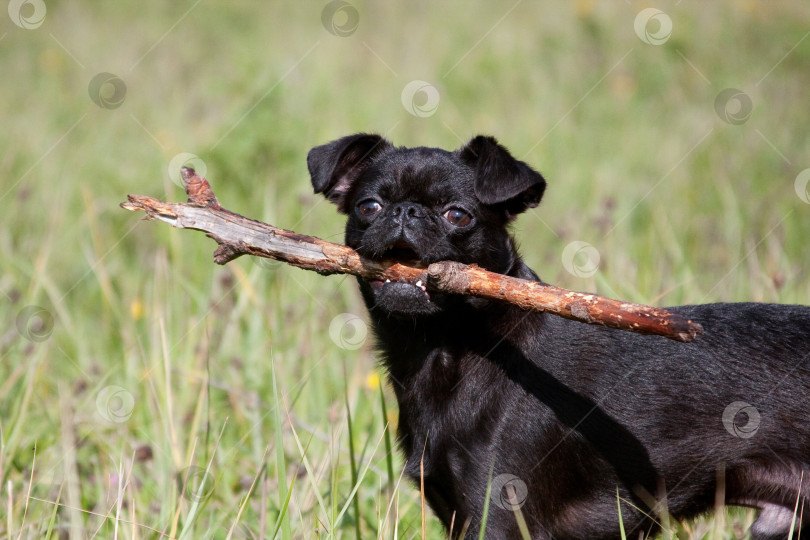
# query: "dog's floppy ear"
(500, 179)
(335, 165)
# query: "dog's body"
(562, 421)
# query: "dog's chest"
(447, 405)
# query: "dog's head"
(424, 205)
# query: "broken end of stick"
(153, 207)
(662, 322)
(686, 330)
(638, 318)
(455, 277)
(129, 205)
(198, 189)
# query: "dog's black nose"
(406, 211)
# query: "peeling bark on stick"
(238, 235)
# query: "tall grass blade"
(282, 514)
(353, 467)
(485, 513)
(281, 459)
(247, 496)
(353, 493)
(621, 521)
(389, 454)
(310, 472)
(796, 509)
(200, 496)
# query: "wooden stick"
(238, 235)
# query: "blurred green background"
(146, 392)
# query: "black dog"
(563, 422)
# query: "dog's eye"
(458, 217)
(368, 207)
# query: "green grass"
(158, 395)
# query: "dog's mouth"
(399, 298)
(402, 253)
(399, 287)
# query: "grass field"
(146, 392)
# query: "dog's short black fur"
(563, 420)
